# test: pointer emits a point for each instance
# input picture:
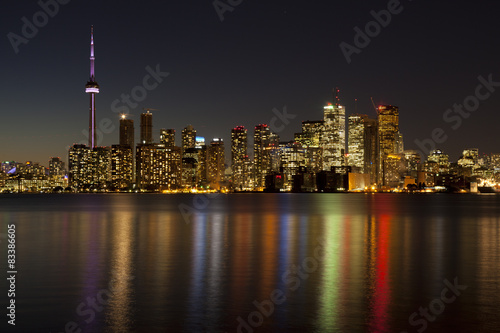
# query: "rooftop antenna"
(336, 98)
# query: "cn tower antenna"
(92, 88)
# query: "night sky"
(264, 55)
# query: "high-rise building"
(239, 158)
(146, 128)
(216, 163)
(292, 159)
(388, 133)
(189, 167)
(388, 129)
(356, 142)
(127, 132)
(56, 167)
(89, 168)
(167, 137)
(122, 170)
(262, 161)
(437, 162)
(333, 136)
(311, 133)
(469, 158)
(79, 166)
(158, 167)
(92, 88)
(188, 137)
(202, 167)
(363, 146)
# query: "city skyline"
(199, 89)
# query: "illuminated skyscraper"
(437, 162)
(363, 146)
(356, 142)
(122, 170)
(216, 163)
(146, 128)
(333, 136)
(310, 139)
(188, 137)
(92, 88)
(388, 129)
(239, 158)
(311, 133)
(388, 133)
(202, 167)
(167, 137)
(127, 132)
(56, 167)
(158, 168)
(79, 166)
(292, 159)
(262, 162)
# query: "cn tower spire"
(92, 57)
(92, 88)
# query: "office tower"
(239, 158)
(262, 160)
(216, 163)
(274, 152)
(89, 168)
(310, 138)
(356, 142)
(333, 136)
(146, 128)
(101, 167)
(437, 162)
(292, 159)
(469, 158)
(190, 167)
(92, 88)
(202, 167)
(388, 129)
(188, 137)
(311, 133)
(167, 137)
(80, 166)
(56, 167)
(363, 146)
(158, 168)
(371, 150)
(122, 170)
(394, 170)
(127, 132)
(412, 162)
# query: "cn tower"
(92, 88)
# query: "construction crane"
(149, 109)
(374, 106)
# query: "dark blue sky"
(264, 55)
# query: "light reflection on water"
(382, 258)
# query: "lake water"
(253, 263)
